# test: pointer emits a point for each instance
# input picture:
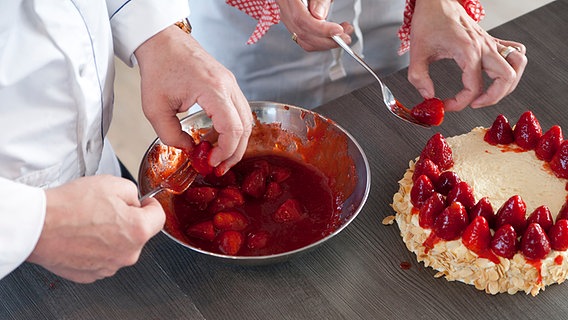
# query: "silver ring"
(505, 52)
(294, 37)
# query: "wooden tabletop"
(355, 275)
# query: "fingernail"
(424, 93)
(319, 12)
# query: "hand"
(95, 226)
(176, 73)
(443, 30)
(312, 31)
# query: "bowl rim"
(278, 256)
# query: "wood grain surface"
(356, 275)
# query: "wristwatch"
(184, 25)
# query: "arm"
(442, 29)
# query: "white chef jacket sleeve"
(134, 22)
(21, 222)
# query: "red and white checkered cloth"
(266, 12)
(472, 7)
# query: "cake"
(488, 208)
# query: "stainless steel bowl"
(298, 122)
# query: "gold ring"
(506, 51)
(294, 37)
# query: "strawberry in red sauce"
(430, 111)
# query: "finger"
(319, 8)
(517, 59)
(419, 76)
(230, 128)
(152, 218)
(165, 122)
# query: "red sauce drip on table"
(405, 265)
(305, 184)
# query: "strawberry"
(563, 213)
(230, 242)
(446, 182)
(559, 162)
(535, 244)
(426, 167)
(483, 208)
(273, 190)
(254, 183)
(230, 220)
(289, 211)
(558, 235)
(279, 174)
(463, 193)
(513, 212)
(421, 191)
(227, 198)
(500, 132)
(549, 143)
(200, 196)
(262, 165)
(477, 236)
(527, 131)
(438, 150)
(504, 242)
(199, 157)
(257, 240)
(450, 224)
(542, 216)
(429, 111)
(430, 210)
(202, 230)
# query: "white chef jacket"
(277, 69)
(56, 97)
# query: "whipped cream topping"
(502, 171)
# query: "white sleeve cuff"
(134, 22)
(22, 214)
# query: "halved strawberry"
(230, 220)
(230, 242)
(446, 182)
(289, 211)
(500, 132)
(558, 235)
(450, 224)
(202, 230)
(273, 190)
(221, 181)
(483, 208)
(421, 191)
(438, 150)
(463, 193)
(535, 244)
(279, 174)
(542, 216)
(257, 240)
(430, 210)
(254, 183)
(559, 162)
(426, 167)
(199, 157)
(477, 236)
(527, 131)
(549, 143)
(513, 212)
(200, 196)
(227, 198)
(430, 111)
(504, 242)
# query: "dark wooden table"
(356, 275)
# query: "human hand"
(312, 31)
(95, 226)
(176, 73)
(443, 30)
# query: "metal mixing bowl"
(298, 122)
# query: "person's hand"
(442, 30)
(95, 226)
(176, 73)
(312, 32)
